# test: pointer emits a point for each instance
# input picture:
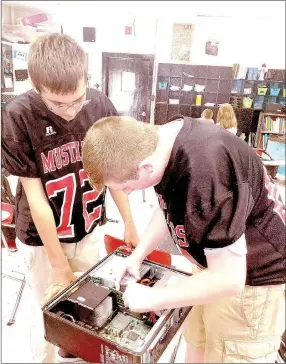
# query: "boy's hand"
(130, 265)
(139, 298)
(131, 237)
(62, 278)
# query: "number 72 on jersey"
(67, 184)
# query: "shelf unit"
(259, 101)
(274, 78)
(217, 82)
(269, 124)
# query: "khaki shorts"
(81, 257)
(246, 328)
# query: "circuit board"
(89, 318)
(126, 331)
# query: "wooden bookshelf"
(269, 124)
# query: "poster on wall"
(181, 42)
(20, 55)
(212, 47)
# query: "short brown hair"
(114, 147)
(57, 63)
(207, 114)
(226, 116)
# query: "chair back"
(157, 256)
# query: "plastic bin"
(258, 102)
(252, 74)
(247, 91)
(162, 85)
(262, 91)
(237, 86)
(270, 100)
(274, 91)
(275, 85)
(247, 102)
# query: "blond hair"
(56, 62)
(226, 116)
(207, 114)
(114, 147)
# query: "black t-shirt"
(214, 189)
(37, 143)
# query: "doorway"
(127, 82)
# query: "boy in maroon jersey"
(56, 208)
(223, 212)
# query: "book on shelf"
(264, 140)
(274, 125)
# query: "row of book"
(274, 124)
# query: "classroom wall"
(249, 43)
(236, 43)
(110, 37)
(246, 36)
(6, 15)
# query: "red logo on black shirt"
(62, 156)
(178, 231)
(162, 203)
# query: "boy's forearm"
(201, 288)
(44, 221)
(156, 232)
(122, 202)
(224, 277)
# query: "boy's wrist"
(59, 262)
(139, 254)
(157, 302)
(129, 223)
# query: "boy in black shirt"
(56, 208)
(223, 213)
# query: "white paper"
(8, 82)
(127, 81)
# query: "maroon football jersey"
(37, 143)
(214, 189)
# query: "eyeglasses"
(60, 108)
(64, 107)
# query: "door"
(127, 82)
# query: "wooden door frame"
(142, 57)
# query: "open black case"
(88, 319)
